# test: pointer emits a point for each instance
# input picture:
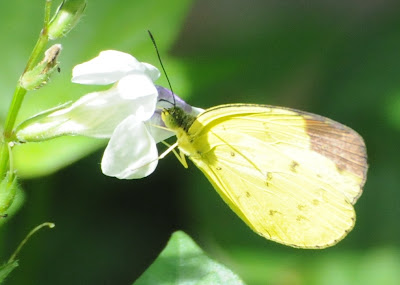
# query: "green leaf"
(183, 262)
(119, 25)
(6, 269)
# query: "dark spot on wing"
(268, 179)
(248, 195)
(272, 212)
(301, 207)
(294, 165)
(340, 168)
(232, 154)
(300, 218)
(315, 202)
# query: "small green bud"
(40, 74)
(8, 189)
(65, 18)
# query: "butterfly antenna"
(159, 58)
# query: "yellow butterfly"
(291, 176)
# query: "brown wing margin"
(339, 143)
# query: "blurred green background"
(339, 59)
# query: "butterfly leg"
(180, 156)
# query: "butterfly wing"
(291, 176)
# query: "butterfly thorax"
(180, 122)
(177, 119)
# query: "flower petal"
(136, 85)
(167, 100)
(151, 71)
(108, 67)
(141, 90)
(131, 152)
(96, 114)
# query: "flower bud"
(8, 188)
(40, 74)
(43, 126)
(66, 17)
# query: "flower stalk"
(37, 74)
(20, 92)
(31, 233)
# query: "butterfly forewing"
(291, 176)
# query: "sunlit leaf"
(183, 262)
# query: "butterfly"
(291, 176)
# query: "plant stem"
(8, 127)
(47, 224)
(4, 155)
(43, 39)
(20, 92)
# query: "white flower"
(132, 152)
(126, 113)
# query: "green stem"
(4, 155)
(15, 105)
(43, 38)
(20, 92)
(14, 255)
